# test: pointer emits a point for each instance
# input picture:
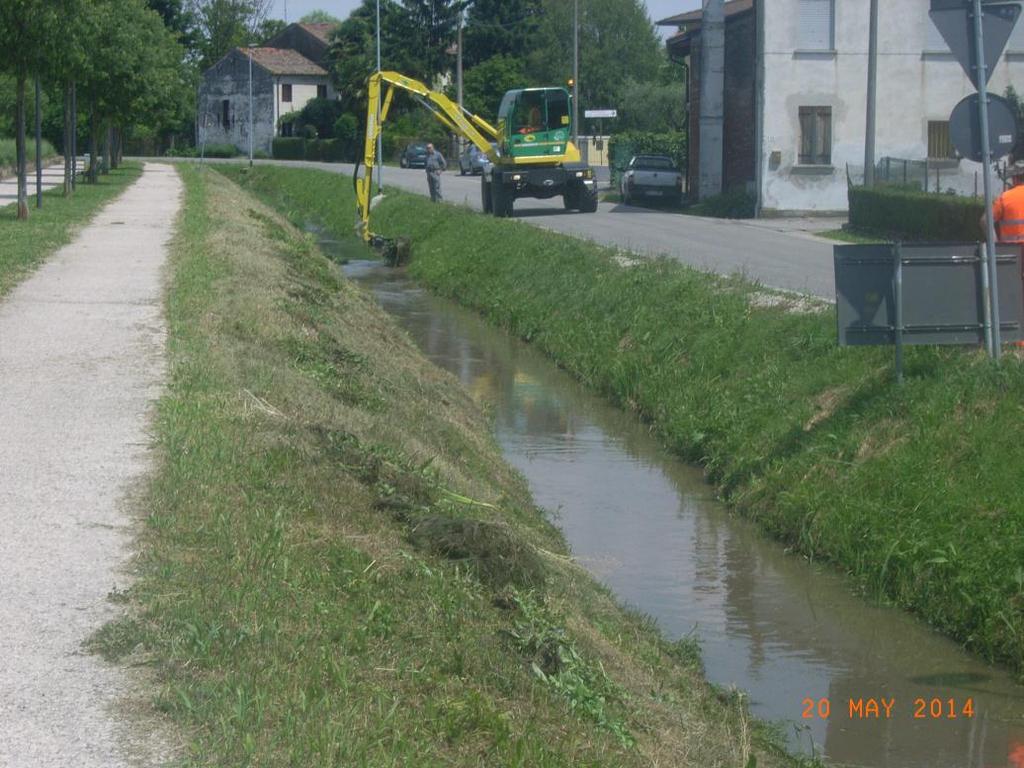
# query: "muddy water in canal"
(867, 685)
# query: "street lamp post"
(380, 133)
(251, 47)
(576, 71)
(869, 133)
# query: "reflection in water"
(645, 524)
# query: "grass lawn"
(912, 489)
(854, 236)
(338, 568)
(24, 244)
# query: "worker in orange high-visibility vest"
(1008, 209)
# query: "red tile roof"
(281, 61)
(320, 31)
(732, 7)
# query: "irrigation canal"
(789, 633)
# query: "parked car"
(472, 160)
(653, 177)
(414, 156)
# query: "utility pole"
(869, 133)
(981, 81)
(458, 74)
(251, 46)
(380, 132)
(39, 146)
(576, 71)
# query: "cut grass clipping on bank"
(915, 490)
(338, 568)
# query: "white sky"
(658, 9)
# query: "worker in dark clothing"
(435, 166)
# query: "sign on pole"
(600, 113)
(964, 127)
(954, 20)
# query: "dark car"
(472, 160)
(414, 156)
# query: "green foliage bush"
(914, 215)
(9, 155)
(221, 150)
(323, 150)
(622, 146)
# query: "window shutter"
(815, 25)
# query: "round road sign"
(965, 128)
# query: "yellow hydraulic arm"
(469, 126)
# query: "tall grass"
(9, 153)
(321, 584)
(913, 490)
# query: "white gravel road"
(81, 363)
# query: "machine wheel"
(485, 194)
(462, 171)
(501, 202)
(588, 201)
(571, 200)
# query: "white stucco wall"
(303, 91)
(915, 85)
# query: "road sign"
(954, 20)
(599, 113)
(965, 132)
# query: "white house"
(810, 91)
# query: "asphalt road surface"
(777, 254)
(791, 260)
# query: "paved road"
(81, 362)
(781, 254)
(53, 176)
(792, 260)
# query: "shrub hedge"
(915, 215)
(622, 146)
(324, 150)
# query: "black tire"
(462, 171)
(501, 201)
(570, 199)
(627, 199)
(485, 194)
(402, 163)
(588, 201)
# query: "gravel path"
(81, 363)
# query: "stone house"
(287, 72)
(795, 92)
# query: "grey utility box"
(941, 293)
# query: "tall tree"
(30, 35)
(500, 28)
(432, 27)
(226, 24)
(319, 16)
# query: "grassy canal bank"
(24, 244)
(337, 566)
(912, 490)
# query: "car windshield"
(545, 110)
(654, 163)
(418, 149)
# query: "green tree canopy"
(485, 84)
(227, 24)
(500, 28)
(319, 16)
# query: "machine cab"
(535, 122)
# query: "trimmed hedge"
(913, 215)
(622, 147)
(323, 150)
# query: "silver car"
(473, 161)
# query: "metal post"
(576, 71)
(39, 147)
(897, 289)
(992, 335)
(869, 133)
(458, 76)
(74, 136)
(250, 104)
(380, 131)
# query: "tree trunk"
(19, 119)
(106, 148)
(115, 149)
(67, 149)
(94, 144)
(74, 137)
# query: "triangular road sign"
(954, 20)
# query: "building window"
(815, 136)
(286, 92)
(321, 91)
(940, 146)
(225, 113)
(817, 25)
